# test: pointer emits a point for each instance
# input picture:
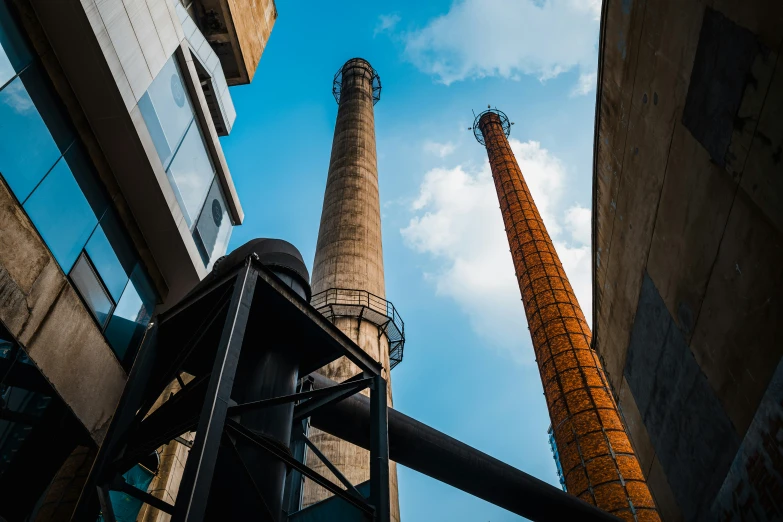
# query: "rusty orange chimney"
(598, 461)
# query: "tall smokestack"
(598, 461)
(348, 266)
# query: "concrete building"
(115, 200)
(598, 461)
(688, 248)
(348, 281)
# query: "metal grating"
(357, 67)
(343, 302)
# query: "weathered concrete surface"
(678, 406)
(749, 491)
(253, 20)
(44, 313)
(688, 190)
(238, 31)
(349, 255)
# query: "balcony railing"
(343, 302)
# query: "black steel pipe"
(435, 454)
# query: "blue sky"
(468, 368)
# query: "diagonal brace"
(349, 487)
(353, 387)
(119, 484)
(301, 468)
(338, 393)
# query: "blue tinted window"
(166, 109)
(105, 261)
(131, 317)
(27, 150)
(191, 173)
(83, 171)
(120, 242)
(14, 52)
(92, 291)
(48, 104)
(213, 228)
(62, 215)
(6, 69)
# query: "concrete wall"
(349, 255)
(238, 31)
(45, 314)
(688, 235)
(253, 20)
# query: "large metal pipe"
(448, 460)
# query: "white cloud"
(577, 221)
(457, 222)
(479, 38)
(17, 98)
(585, 85)
(439, 149)
(386, 23)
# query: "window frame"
(101, 282)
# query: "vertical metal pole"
(197, 476)
(379, 450)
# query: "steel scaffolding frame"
(254, 305)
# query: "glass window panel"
(105, 261)
(191, 174)
(49, 105)
(126, 507)
(167, 110)
(6, 69)
(131, 317)
(213, 228)
(62, 215)
(27, 150)
(86, 176)
(14, 51)
(92, 291)
(120, 241)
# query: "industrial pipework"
(598, 460)
(245, 334)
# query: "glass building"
(115, 201)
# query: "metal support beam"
(328, 463)
(105, 500)
(119, 484)
(351, 351)
(304, 470)
(379, 450)
(130, 401)
(197, 477)
(269, 516)
(338, 393)
(435, 454)
(353, 387)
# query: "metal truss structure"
(237, 465)
(343, 302)
(357, 67)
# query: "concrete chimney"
(599, 464)
(348, 266)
